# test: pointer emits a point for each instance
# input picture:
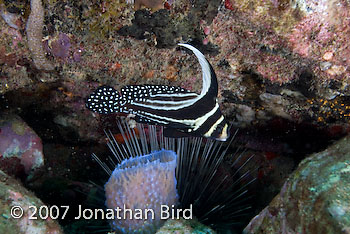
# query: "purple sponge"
(138, 187)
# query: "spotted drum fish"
(180, 111)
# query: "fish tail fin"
(104, 100)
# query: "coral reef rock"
(288, 35)
(16, 200)
(314, 199)
(21, 150)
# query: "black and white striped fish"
(179, 110)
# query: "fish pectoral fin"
(173, 133)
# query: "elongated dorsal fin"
(206, 68)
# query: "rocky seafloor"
(283, 75)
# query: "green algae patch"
(182, 226)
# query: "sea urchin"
(218, 193)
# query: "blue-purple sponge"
(138, 187)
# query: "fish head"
(104, 100)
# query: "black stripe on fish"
(172, 107)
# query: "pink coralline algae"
(243, 43)
(142, 183)
(324, 31)
(276, 69)
(294, 34)
(19, 146)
